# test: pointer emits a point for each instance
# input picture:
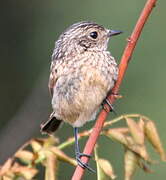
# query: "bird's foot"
(106, 101)
(81, 163)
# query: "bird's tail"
(51, 125)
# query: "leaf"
(106, 167)
(136, 132)
(25, 156)
(36, 145)
(154, 139)
(6, 178)
(122, 130)
(100, 173)
(51, 166)
(144, 167)
(141, 124)
(26, 172)
(130, 164)
(6, 166)
(116, 135)
(129, 143)
(138, 149)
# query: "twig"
(122, 69)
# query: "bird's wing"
(53, 77)
(52, 124)
(60, 68)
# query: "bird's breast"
(82, 85)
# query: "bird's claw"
(82, 164)
(106, 101)
(78, 154)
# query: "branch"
(122, 69)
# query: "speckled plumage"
(82, 73)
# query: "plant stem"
(78, 174)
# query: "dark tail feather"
(51, 125)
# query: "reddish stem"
(122, 69)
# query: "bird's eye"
(93, 35)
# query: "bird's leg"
(79, 154)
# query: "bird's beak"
(114, 33)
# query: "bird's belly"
(78, 96)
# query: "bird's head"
(83, 36)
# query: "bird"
(82, 74)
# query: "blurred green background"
(28, 32)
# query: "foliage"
(47, 152)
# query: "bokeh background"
(27, 33)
